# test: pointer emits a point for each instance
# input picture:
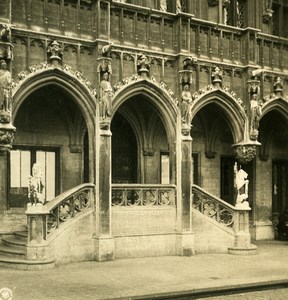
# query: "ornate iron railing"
(143, 195)
(213, 207)
(68, 205)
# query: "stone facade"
(155, 93)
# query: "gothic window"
(280, 18)
(235, 13)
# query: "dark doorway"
(124, 151)
(280, 186)
(227, 179)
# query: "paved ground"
(126, 278)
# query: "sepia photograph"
(143, 149)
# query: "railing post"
(242, 241)
(37, 248)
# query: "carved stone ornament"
(6, 137)
(104, 65)
(186, 105)
(188, 62)
(36, 186)
(185, 77)
(278, 87)
(55, 52)
(217, 77)
(245, 152)
(267, 16)
(185, 129)
(6, 47)
(255, 110)
(143, 65)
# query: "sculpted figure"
(106, 94)
(242, 186)
(36, 187)
(5, 86)
(186, 101)
(256, 112)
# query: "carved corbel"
(245, 152)
(148, 152)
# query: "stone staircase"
(13, 253)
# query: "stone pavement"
(128, 278)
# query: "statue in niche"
(5, 87)
(106, 94)
(178, 6)
(217, 76)
(186, 102)
(242, 186)
(36, 187)
(143, 64)
(163, 5)
(255, 107)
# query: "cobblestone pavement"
(124, 278)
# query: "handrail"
(213, 207)
(50, 205)
(143, 195)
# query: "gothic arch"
(157, 95)
(72, 83)
(234, 112)
(279, 104)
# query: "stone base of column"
(104, 248)
(36, 252)
(242, 245)
(185, 244)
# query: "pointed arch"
(157, 95)
(233, 111)
(72, 83)
(279, 104)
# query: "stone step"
(11, 251)
(16, 242)
(21, 234)
(23, 264)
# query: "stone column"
(185, 238)
(104, 242)
(3, 182)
